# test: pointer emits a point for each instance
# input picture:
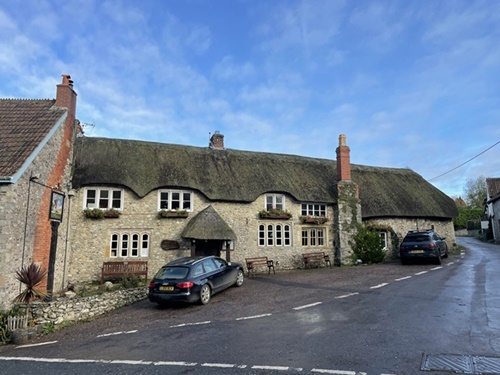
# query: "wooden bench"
(259, 261)
(122, 269)
(316, 257)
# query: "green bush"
(466, 214)
(367, 246)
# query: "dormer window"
(104, 198)
(275, 202)
(172, 200)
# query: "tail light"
(185, 285)
(152, 284)
(432, 245)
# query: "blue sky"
(412, 84)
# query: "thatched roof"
(208, 225)
(242, 176)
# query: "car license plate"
(417, 251)
(167, 288)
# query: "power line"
(451, 170)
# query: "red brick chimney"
(343, 160)
(217, 141)
(66, 97)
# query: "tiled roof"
(23, 126)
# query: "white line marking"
(436, 268)
(276, 368)
(449, 264)
(116, 333)
(403, 278)
(379, 286)
(338, 372)
(254, 317)
(221, 365)
(306, 306)
(347, 295)
(130, 362)
(31, 345)
(190, 324)
(420, 273)
(169, 363)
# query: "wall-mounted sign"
(56, 205)
(169, 245)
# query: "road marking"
(421, 273)
(254, 317)
(169, 363)
(306, 306)
(32, 345)
(276, 368)
(436, 268)
(116, 333)
(449, 264)
(190, 324)
(338, 372)
(403, 278)
(347, 295)
(379, 286)
(221, 365)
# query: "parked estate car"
(423, 244)
(194, 279)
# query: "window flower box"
(98, 214)
(275, 214)
(313, 219)
(165, 214)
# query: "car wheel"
(205, 294)
(438, 258)
(445, 252)
(239, 278)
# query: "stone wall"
(81, 309)
(19, 219)
(90, 239)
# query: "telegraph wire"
(451, 170)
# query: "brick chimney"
(343, 160)
(217, 141)
(66, 97)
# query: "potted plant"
(313, 219)
(172, 214)
(112, 213)
(98, 214)
(30, 276)
(274, 213)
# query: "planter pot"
(111, 215)
(275, 216)
(170, 215)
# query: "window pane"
(124, 250)
(91, 198)
(321, 237)
(269, 202)
(114, 245)
(134, 249)
(304, 237)
(186, 201)
(164, 200)
(279, 236)
(103, 199)
(270, 235)
(279, 202)
(145, 245)
(117, 199)
(262, 235)
(303, 209)
(313, 237)
(287, 235)
(176, 201)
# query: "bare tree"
(475, 192)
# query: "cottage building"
(36, 140)
(493, 206)
(176, 200)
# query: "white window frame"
(313, 237)
(274, 202)
(170, 206)
(314, 209)
(99, 193)
(122, 244)
(383, 240)
(274, 235)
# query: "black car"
(194, 279)
(423, 244)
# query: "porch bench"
(316, 257)
(122, 269)
(252, 263)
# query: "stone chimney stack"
(66, 97)
(217, 141)
(343, 160)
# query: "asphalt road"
(380, 319)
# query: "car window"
(423, 238)
(173, 273)
(198, 270)
(209, 265)
(219, 263)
